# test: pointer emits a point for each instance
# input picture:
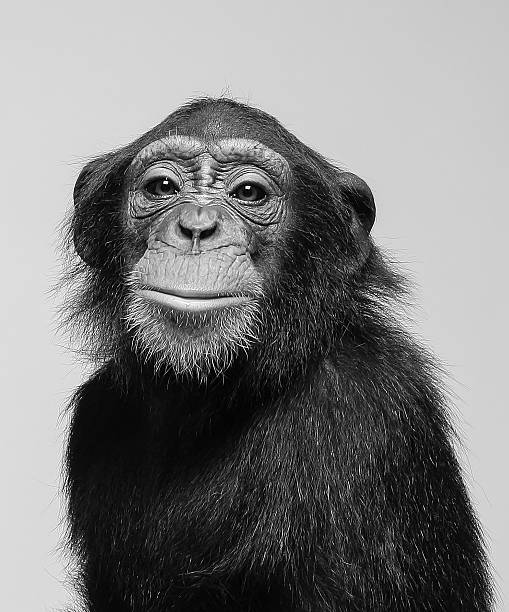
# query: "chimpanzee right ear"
(94, 223)
(359, 197)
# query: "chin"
(191, 344)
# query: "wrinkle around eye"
(141, 207)
(256, 215)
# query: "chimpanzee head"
(216, 231)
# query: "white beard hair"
(191, 345)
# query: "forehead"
(181, 148)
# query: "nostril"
(185, 231)
(207, 232)
(197, 232)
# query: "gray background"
(413, 96)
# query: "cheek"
(141, 234)
(266, 248)
(135, 247)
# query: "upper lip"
(194, 293)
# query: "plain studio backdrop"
(412, 96)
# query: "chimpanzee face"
(206, 216)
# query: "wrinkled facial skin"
(205, 215)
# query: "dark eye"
(249, 192)
(161, 187)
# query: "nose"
(198, 223)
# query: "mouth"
(190, 300)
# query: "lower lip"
(189, 304)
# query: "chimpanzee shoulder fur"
(308, 466)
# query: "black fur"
(316, 475)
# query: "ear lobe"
(358, 195)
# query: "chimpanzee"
(260, 434)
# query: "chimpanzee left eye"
(161, 187)
(249, 192)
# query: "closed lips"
(191, 300)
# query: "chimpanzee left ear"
(358, 195)
(94, 219)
